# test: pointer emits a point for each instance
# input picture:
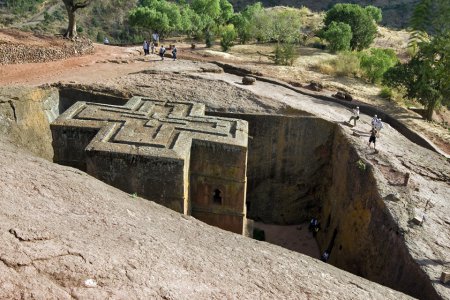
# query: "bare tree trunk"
(72, 28)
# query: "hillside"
(96, 20)
(395, 13)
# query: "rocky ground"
(41, 258)
(66, 235)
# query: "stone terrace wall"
(15, 53)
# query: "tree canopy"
(426, 76)
(281, 26)
(376, 62)
(338, 36)
(159, 15)
(244, 21)
(361, 22)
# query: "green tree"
(228, 35)
(159, 15)
(226, 11)
(338, 36)
(374, 12)
(213, 13)
(362, 24)
(430, 17)
(244, 21)
(376, 62)
(426, 76)
(278, 25)
(191, 23)
(72, 6)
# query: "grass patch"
(344, 64)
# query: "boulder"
(315, 86)
(343, 96)
(247, 80)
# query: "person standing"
(162, 51)
(355, 116)
(145, 46)
(374, 121)
(174, 52)
(155, 38)
(378, 126)
(373, 138)
(152, 45)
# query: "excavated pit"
(302, 166)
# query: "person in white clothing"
(378, 126)
(374, 121)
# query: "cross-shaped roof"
(145, 126)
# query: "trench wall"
(360, 231)
(287, 159)
(25, 116)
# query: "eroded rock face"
(67, 235)
(24, 118)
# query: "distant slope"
(396, 13)
(109, 17)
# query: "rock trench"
(309, 172)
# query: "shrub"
(285, 54)
(338, 36)
(385, 93)
(228, 35)
(361, 165)
(376, 62)
(362, 24)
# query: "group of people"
(147, 46)
(162, 50)
(376, 123)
